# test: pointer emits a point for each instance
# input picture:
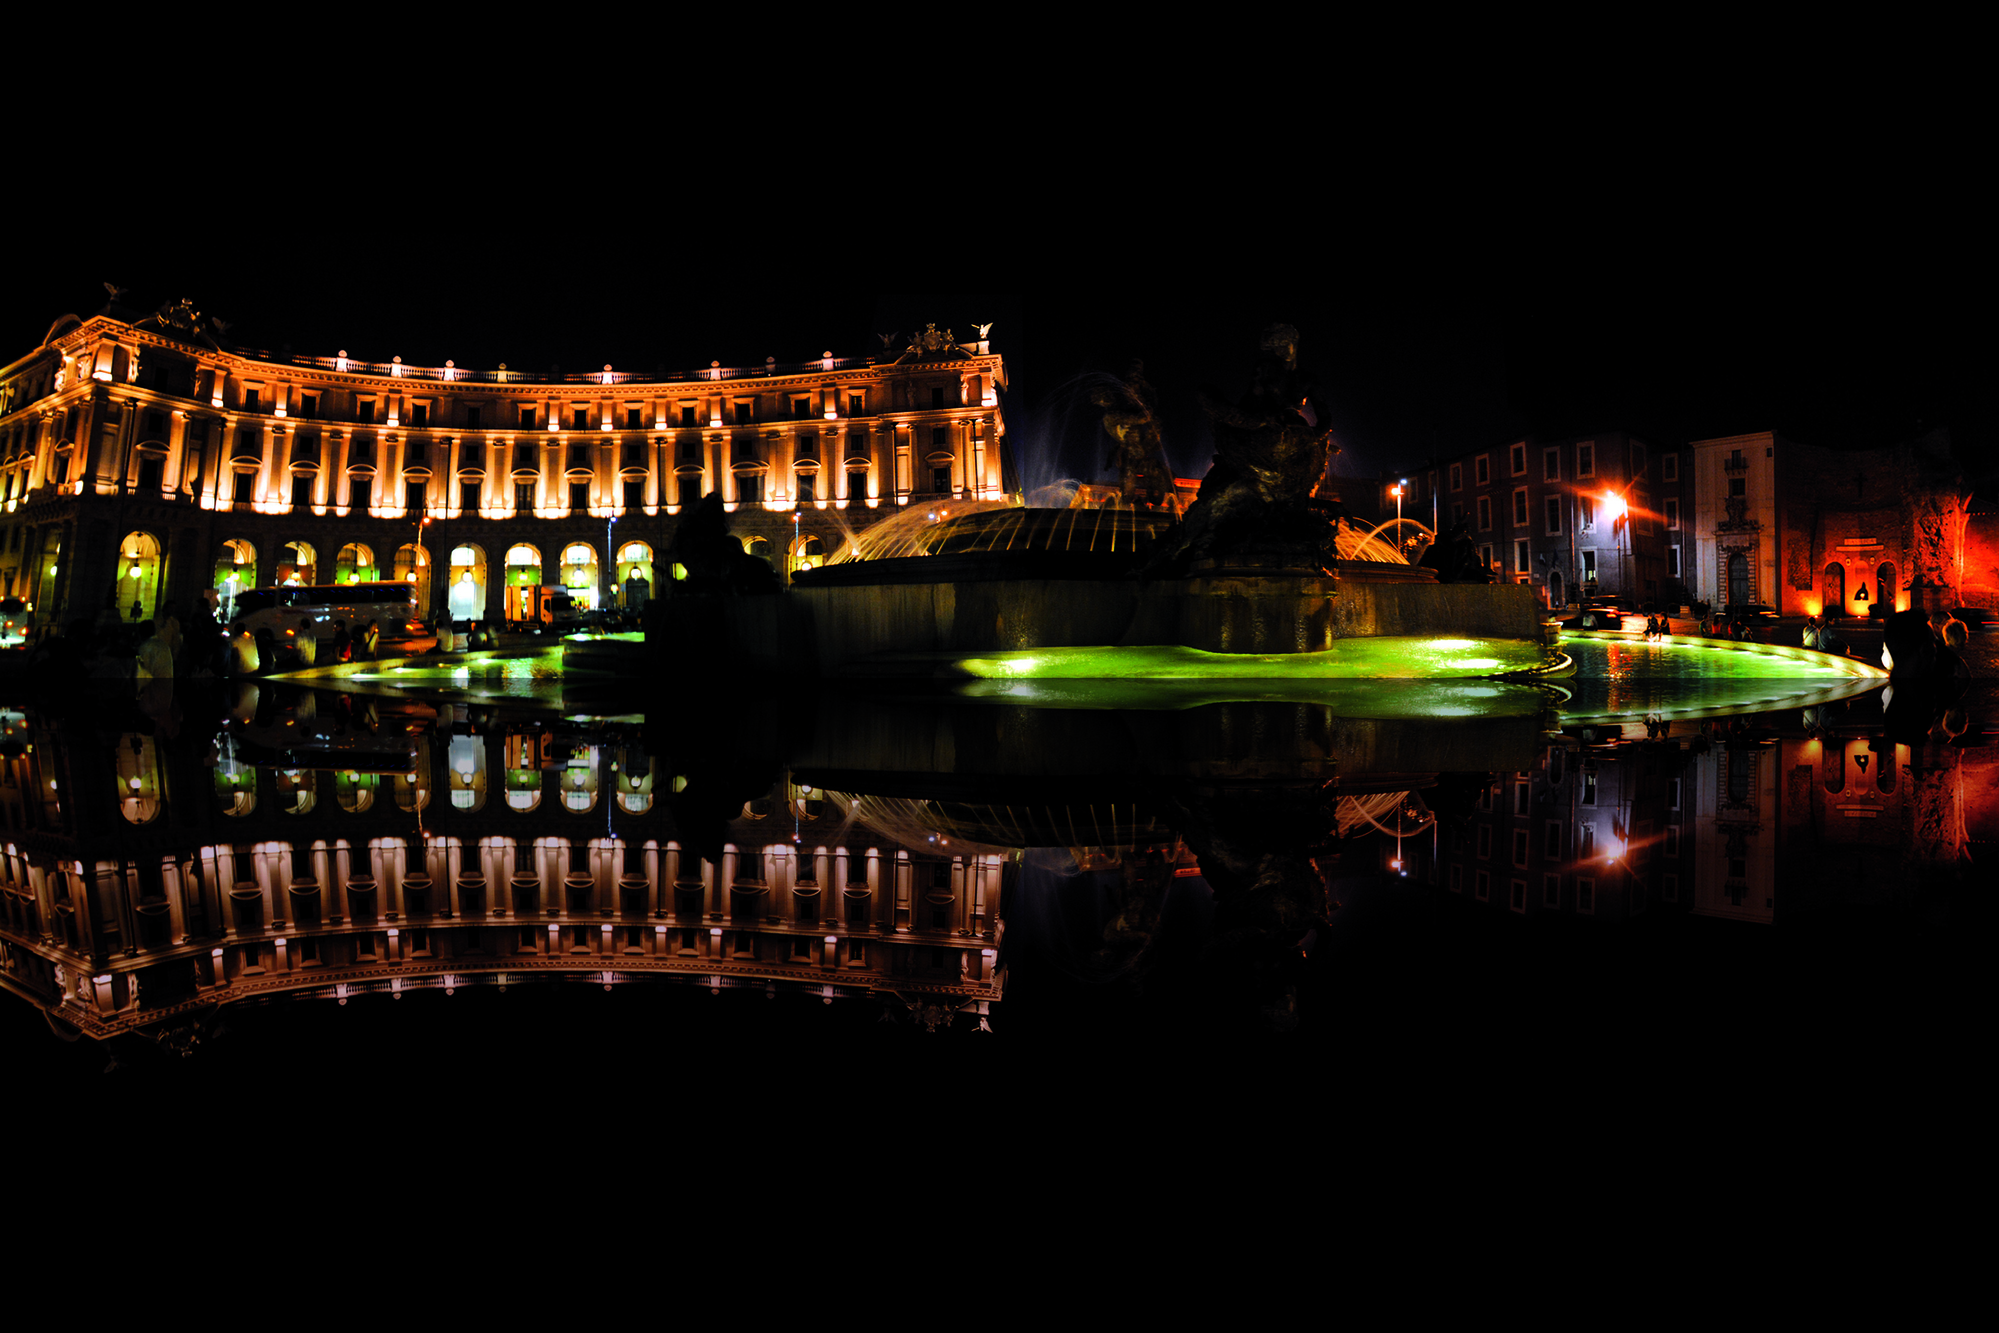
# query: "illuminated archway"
(523, 566)
(355, 564)
(808, 552)
(635, 583)
(468, 582)
(412, 566)
(468, 773)
(579, 574)
(138, 779)
(1835, 589)
(235, 571)
(298, 563)
(138, 576)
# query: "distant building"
(1809, 530)
(143, 459)
(1544, 513)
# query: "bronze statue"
(1260, 498)
(1130, 418)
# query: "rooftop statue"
(1259, 502)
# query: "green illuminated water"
(1413, 657)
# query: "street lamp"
(1615, 509)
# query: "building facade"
(1596, 515)
(143, 459)
(1844, 533)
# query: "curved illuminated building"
(143, 459)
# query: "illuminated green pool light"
(1405, 657)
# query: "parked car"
(14, 623)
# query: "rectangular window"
(1551, 840)
(1585, 841)
(801, 408)
(1520, 848)
(1551, 891)
(1586, 896)
(1589, 787)
(1672, 843)
(743, 406)
(857, 404)
(690, 414)
(1484, 513)
(634, 417)
(252, 400)
(937, 396)
(807, 491)
(361, 492)
(419, 451)
(1485, 554)
(419, 415)
(1673, 514)
(246, 488)
(808, 445)
(1669, 467)
(1551, 465)
(527, 417)
(1521, 788)
(579, 496)
(1586, 513)
(308, 406)
(1482, 469)
(364, 409)
(940, 480)
(750, 488)
(301, 489)
(413, 496)
(1586, 459)
(1520, 506)
(635, 495)
(1516, 895)
(1516, 459)
(1522, 557)
(469, 496)
(1673, 562)
(579, 416)
(472, 416)
(523, 497)
(1552, 508)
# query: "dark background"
(1414, 359)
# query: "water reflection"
(912, 857)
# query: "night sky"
(1410, 366)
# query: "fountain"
(1258, 580)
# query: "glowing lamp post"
(1616, 510)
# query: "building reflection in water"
(323, 844)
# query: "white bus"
(392, 606)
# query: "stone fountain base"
(855, 620)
